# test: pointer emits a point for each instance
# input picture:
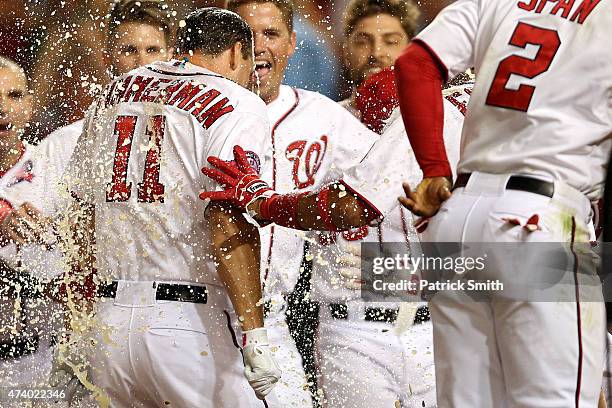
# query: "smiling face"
(274, 45)
(137, 44)
(15, 103)
(374, 44)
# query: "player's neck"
(268, 99)
(10, 153)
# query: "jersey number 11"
(150, 190)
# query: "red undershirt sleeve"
(419, 76)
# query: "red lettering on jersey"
(468, 91)
(167, 93)
(584, 10)
(453, 99)
(138, 87)
(528, 6)
(188, 92)
(151, 190)
(202, 101)
(118, 189)
(110, 93)
(127, 89)
(311, 157)
(150, 94)
(543, 4)
(219, 109)
(565, 5)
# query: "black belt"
(378, 314)
(521, 183)
(165, 291)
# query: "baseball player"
(138, 34)
(399, 369)
(24, 341)
(165, 335)
(341, 205)
(311, 135)
(533, 156)
(375, 34)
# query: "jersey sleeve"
(378, 178)
(349, 142)
(452, 35)
(249, 130)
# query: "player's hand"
(239, 179)
(349, 264)
(27, 225)
(260, 367)
(428, 197)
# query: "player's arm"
(420, 72)
(334, 207)
(420, 77)
(236, 250)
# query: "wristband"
(282, 209)
(255, 337)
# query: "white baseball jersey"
(139, 160)
(314, 140)
(36, 179)
(523, 117)
(382, 188)
(393, 154)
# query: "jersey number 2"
(519, 99)
(150, 190)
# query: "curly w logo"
(307, 159)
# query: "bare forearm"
(236, 250)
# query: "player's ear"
(236, 56)
(292, 44)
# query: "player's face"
(136, 45)
(15, 103)
(274, 45)
(374, 44)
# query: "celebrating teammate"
(533, 156)
(164, 291)
(375, 34)
(312, 136)
(139, 33)
(24, 344)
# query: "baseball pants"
(364, 364)
(503, 352)
(154, 353)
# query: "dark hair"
(213, 30)
(285, 6)
(150, 12)
(405, 10)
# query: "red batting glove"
(376, 99)
(240, 181)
